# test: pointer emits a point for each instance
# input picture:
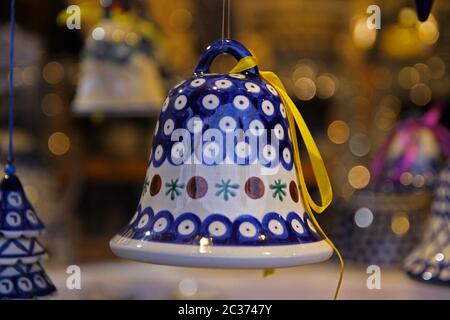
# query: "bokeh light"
(424, 71)
(30, 75)
(420, 94)
(437, 67)
(338, 131)
(358, 177)
(359, 144)
(428, 31)
(98, 33)
(363, 217)
(400, 224)
(58, 143)
(326, 86)
(53, 72)
(304, 89)
(363, 37)
(52, 104)
(407, 17)
(408, 77)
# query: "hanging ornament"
(413, 152)
(382, 223)
(119, 71)
(21, 276)
(212, 196)
(423, 8)
(430, 261)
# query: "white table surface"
(120, 279)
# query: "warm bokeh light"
(53, 72)
(358, 177)
(424, 71)
(338, 131)
(428, 31)
(131, 38)
(408, 77)
(418, 181)
(52, 104)
(437, 67)
(30, 75)
(400, 224)
(407, 17)
(420, 94)
(363, 37)
(118, 35)
(304, 89)
(326, 86)
(58, 143)
(304, 69)
(406, 178)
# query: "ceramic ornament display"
(413, 152)
(219, 201)
(119, 72)
(21, 276)
(384, 222)
(430, 261)
(24, 281)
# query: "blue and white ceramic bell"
(430, 261)
(221, 188)
(24, 282)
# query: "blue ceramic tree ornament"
(21, 276)
(17, 216)
(24, 281)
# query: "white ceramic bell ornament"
(119, 73)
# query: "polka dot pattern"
(17, 218)
(219, 229)
(226, 103)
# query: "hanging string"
(223, 19)
(226, 8)
(229, 14)
(9, 169)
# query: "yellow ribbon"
(320, 172)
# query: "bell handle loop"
(232, 47)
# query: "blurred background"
(82, 143)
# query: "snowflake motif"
(225, 188)
(146, 185)
(173, 188)
(278, 188)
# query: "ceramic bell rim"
(17, 216)
(118, 77)
(22, 281)
(221, 203)
(430, 261)
(23, 250)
